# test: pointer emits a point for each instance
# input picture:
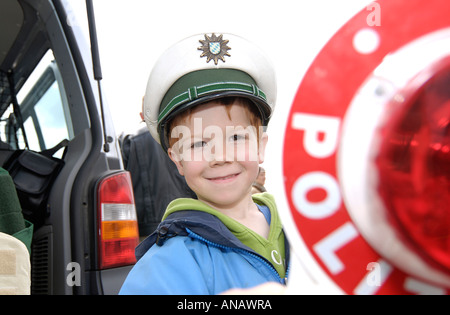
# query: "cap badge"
(214, 47)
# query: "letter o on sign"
(316, 210)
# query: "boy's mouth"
(223, 178)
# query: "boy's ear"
(262, 147)
(176, 158)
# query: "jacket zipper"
(258, 257)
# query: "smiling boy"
(210, 118)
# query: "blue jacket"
(203, 245)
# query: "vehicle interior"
(42, 106)
(57, 146)
(29, 74)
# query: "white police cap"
(205, 67)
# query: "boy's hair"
(249, 107)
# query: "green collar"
(271, 248)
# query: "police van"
(52, 110)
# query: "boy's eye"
(198, 144)
(237, 137)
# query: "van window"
(44, 108)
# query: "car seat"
(15, 241)
(15, 268)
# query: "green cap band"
(201, 83)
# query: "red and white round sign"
(365, 74)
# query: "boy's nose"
(220, 154)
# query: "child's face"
(218, 156)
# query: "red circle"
(414, 167)
(325, 93)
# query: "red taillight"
(117, 223)
(414, 170)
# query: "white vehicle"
(84, 241)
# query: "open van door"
(48, 94)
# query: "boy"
(207, 106)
